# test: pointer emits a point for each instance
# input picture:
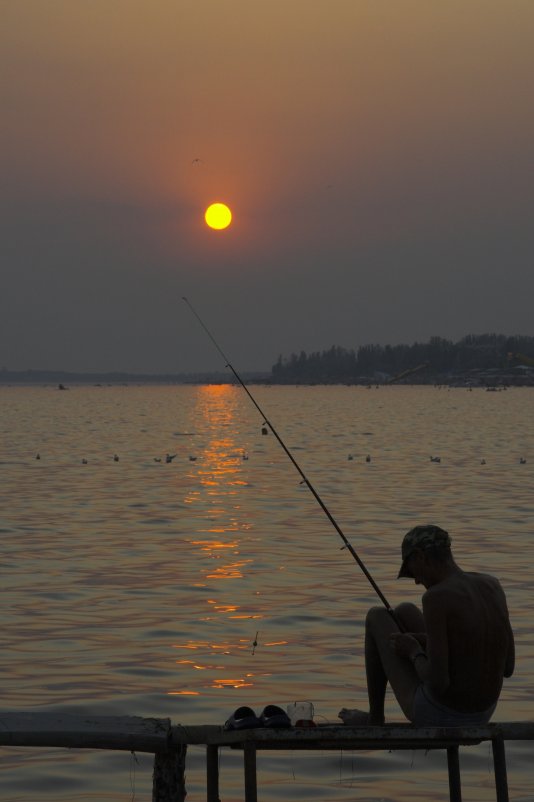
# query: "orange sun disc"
(218, 216)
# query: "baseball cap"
(421, 537)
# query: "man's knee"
(407, 614)
(376, 616)
(410, 616)
(407, 608)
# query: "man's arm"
(432, 666)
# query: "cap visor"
(404, 573)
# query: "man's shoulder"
(462, 585)
(481, 579)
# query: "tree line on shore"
(431, 362)
(422, 362)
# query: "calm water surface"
(139, 587)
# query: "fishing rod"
(305, 480)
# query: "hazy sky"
(378, 157)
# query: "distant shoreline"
(65, 378)
(485, 360)
(62, 380)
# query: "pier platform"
(169, 744)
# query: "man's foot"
(358, 718)
(353, 717)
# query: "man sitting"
(445, 665)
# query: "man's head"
(429, 538)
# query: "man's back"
(469, 640)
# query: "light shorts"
(427, 712)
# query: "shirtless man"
(447, 667)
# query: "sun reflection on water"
(220, 520)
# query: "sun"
(218, 216)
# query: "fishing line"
(305, 480)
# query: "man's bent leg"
(383, 664)
(376, 676)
